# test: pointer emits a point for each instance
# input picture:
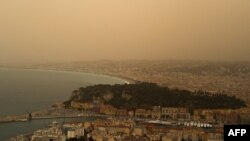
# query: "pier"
(52, 113)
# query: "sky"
(40, 31)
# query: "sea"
(26, 90)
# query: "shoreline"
(20, 117)
(122, 78)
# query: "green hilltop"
(146, 95)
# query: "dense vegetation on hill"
(148, 95)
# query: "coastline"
(122, 78)
(41, 114)
(21, 117)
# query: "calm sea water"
(24, 91)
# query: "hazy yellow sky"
(72, 30)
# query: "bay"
(23, 90)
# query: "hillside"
(149, 94)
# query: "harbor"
(51, 113)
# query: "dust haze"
(63, 30)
